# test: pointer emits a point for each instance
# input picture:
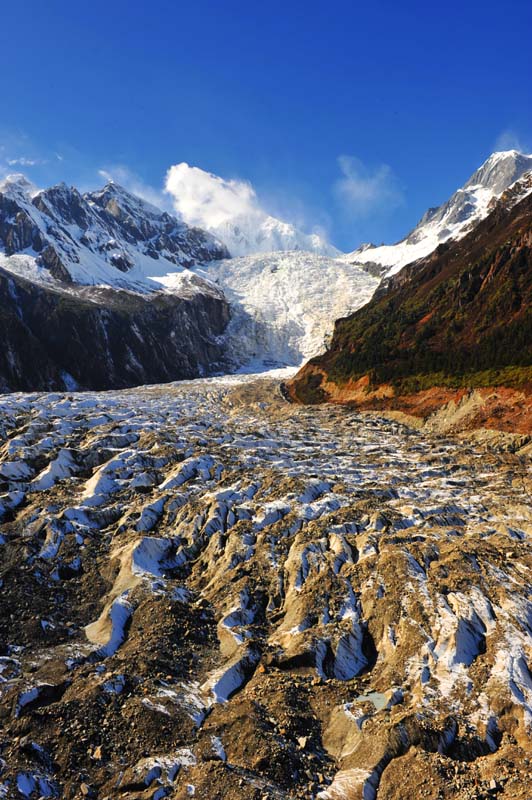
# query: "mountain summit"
(251, 234)
(456, 320)
(108, 237)
(453, 219)
(231, 211)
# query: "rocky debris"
(206, 591)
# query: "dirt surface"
(209, 592)
(442, 409)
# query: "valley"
(207, 591)
(265, 401)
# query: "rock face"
(109, 237)
(82, 304)
(453, 219)
(105, 338)
(208, 592)
(457, 319)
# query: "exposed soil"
(209, 592)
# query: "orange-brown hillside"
(454, 327)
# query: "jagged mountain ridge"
(453, 219)
(107, 237)
(282, 303)
(82, 306)
(460, 317)
(258, 232)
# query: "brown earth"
(448, 339)
(320, 604)
(440, 408)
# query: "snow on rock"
(286, 289)
(329, 542)
(192, 467)
(152, 556)
(453, 219)
(63, 466)
(150, 514)
(108, 237)
(15, 470)
(230, 678)
(119, 615)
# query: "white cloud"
(509, 140)
(362, 191)
(122, 175)
(206, 200)
(23, 161)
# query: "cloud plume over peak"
(231, 210)
(207, 200)
(362, 191)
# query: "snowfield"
(285, 304)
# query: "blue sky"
(353, 117)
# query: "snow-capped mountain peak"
(108, 237)
(454, 218)
(500, 170)
(119, 202)
(18, 187)
(258, 232)
(231, 211)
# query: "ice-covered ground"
(202, 569)
(285, 303)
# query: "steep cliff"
(104, 338)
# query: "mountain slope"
(258, 232)
(285, 303)
(108, 237)
(452, 220)
(82, 304)
(55, 339)
(461, 317)
(156, 276)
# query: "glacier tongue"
(284, 304)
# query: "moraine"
(207, 590)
